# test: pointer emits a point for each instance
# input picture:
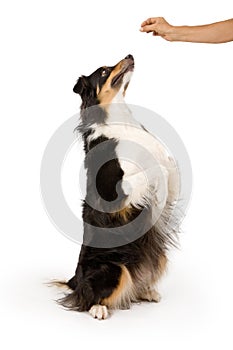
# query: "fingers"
(158, 26)
(147, 28)
(149, 21)
(150, 24)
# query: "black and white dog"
(132, 187)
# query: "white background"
(45, 46)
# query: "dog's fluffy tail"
(58, 283)
(77, 297)
(80, 299)
(70, 284)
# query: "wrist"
(178, 33)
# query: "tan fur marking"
(121, 295)
(57, 283)
(107, 93)
(123, 213)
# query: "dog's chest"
(136, 149)
(142, 158)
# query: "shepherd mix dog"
(128, 210)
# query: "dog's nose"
(129, 57)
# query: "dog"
(128, 209)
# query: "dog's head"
(105, 84)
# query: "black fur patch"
(86, 86)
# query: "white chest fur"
(150, 174)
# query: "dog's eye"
(104, 72)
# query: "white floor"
(194, 311)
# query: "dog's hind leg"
(99, 286)
(119, 298)
(150, 294)
(123, 294)
(147, 287)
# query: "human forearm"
(219, 32)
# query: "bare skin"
(214, 33)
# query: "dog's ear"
(81, 85)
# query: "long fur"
(118, 275)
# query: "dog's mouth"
(128, 66)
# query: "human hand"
(219, 32)
(159, 26)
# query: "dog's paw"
(151, 295)
(154, 296)
(99, 311)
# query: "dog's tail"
(71, 284)
(57, 283)
(77, 297)
(80, 299)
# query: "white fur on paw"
(99, 311)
